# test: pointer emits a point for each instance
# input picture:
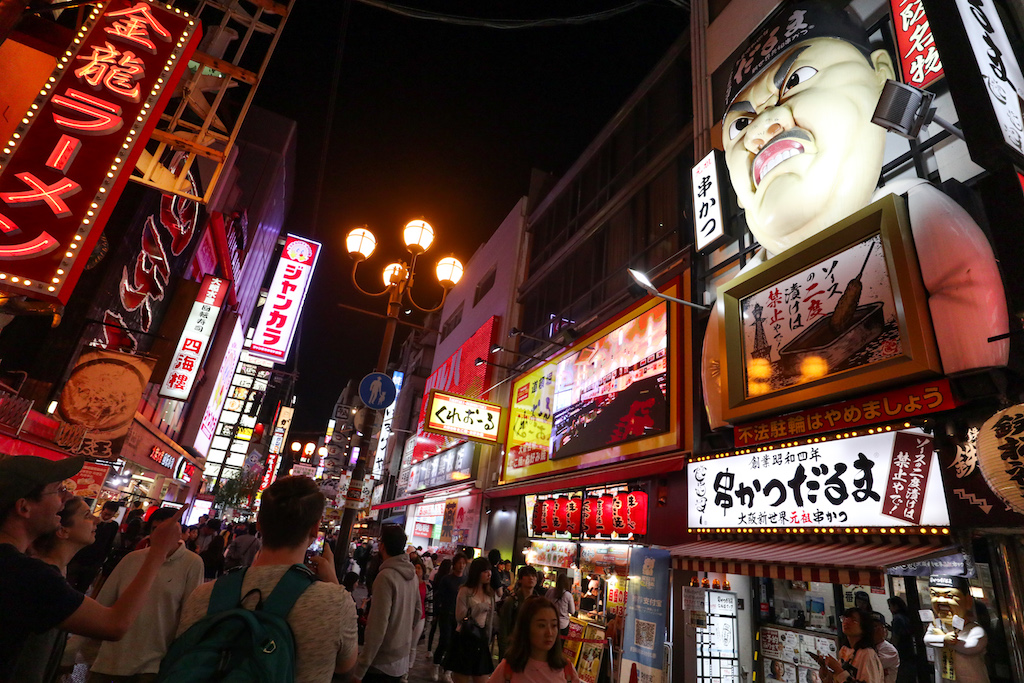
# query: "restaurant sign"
(889, 479)
(920, 65)
(461, 417)
(898, 404)
(195, 339)
(287, 293)
(70, 157)
(1000, 456)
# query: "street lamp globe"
(322, 451)
(393, 274)
(360, 243)
(296, 446)
(418, 236)
(449, 271)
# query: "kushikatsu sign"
(276, 328)
(890, 479)
(67, 162)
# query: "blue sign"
(643, 643)
(377, 391)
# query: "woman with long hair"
(439, 573)
(469, 658)
(40, 658)
(561, 596)
(906, 633)
(534, 652)
(858, 661)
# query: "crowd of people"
(152, 600)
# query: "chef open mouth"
(773, 154)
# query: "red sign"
(185, 471)
(276, 327)
(270, 473)
(911, 460)
(919, 60)
(195, 339)
(624, 513)
(67, 162)
(459, 374)
(898, 404)
(89, 481)
(423, 530)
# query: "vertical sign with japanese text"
(643, 639)
(920, 65)
(195, 339)
(276, 327)
(708, 220)
(67, 162)
(208, 425)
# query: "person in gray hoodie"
(394, 610)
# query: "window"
(451, 323)
(482, 287)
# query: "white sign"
(708, 220)
(276, 327)
(1001, 456)
(998, 66)
(220, 391)
(284, 422)
(385, 430)
(889, 479)
(195, 339)
(459, 416)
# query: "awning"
(623, 471)
(862, 563)
(401, 502)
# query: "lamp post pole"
(398, 278)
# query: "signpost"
(377, 391)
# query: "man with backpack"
(304, 629)
(394, 611)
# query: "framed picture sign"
(845, 311)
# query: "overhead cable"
(502, 23)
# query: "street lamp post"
(398, 282)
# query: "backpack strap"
(227, 592)
(294, 582)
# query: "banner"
(88, 482)
(643, 640)
(101, 394)
(287, 293)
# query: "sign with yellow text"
(462, 417)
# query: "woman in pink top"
(534, 653)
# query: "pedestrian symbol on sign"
(377, 391)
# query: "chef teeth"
(777, 159)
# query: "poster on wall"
(101, 394)
(88, 482)
(647, 608)
(786, 654)
(888, 479)
(551, 554)
(571, 643)
(588, 664)
(612, 391)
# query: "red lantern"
(560, 517)
(636, 512)
(604, 515)
(547, 513)
(575, 509)
(590, 510)
(538, 517)
(619, 513)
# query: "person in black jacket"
(213, 554)
(445, 594)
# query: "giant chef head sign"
(803, 156)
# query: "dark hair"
(494, 556)
(443, 570)
(213, 524)
(47, 542)
(459, 556)
(518, 653)
(866, 626)
(350, 581)
(393, 539)
(423, 569)
(290, 507)
(897, 605)
(476, 568)
(563, 584)
(160, 514)
(526, 570)
(112, 505)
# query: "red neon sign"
(919, 60)
(67, 162)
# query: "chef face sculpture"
(950, 602)
(799, 143)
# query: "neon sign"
(276, 327)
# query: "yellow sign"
(462, 417)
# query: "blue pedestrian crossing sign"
(377, 391)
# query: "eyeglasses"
(61, 490)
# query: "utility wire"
(502, 23)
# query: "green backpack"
(234, 644)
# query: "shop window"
(451, 323)
(484, 286)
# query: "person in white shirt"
(886, 651)
(146, 642)
(561, 596)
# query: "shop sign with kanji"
(708, 220)
(195, 339)
(463, 417)
(920, 65)
(1000, 456)
(881, 480)
(276, 327)
(899, 404)
(65, 165)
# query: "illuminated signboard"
(185, 471)
(881, 480)
(385, 429)
(423, 530)
(270, 473)
(276, 327)
(460, 375)
(462, 417)
(195, 339)
(708, 220)
(68, 161)
(448, 467)
(208, 425)
(607, 391)
(920, 65)
(599, 513)
(159, 455)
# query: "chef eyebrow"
(741, 106)
(780, 76)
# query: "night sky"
(439, 121)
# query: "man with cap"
(803, 154)
(885, 650)
(34, 597)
